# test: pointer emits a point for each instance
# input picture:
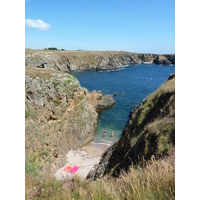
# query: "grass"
(40, 72)
(30, 114)
(33, 165)
(149, 180)
(56, 102)
(55, 85)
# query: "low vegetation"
(149, 180)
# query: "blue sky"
(137, 26)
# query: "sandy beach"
(81, 161)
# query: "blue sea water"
(132, 84)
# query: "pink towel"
(74, 169)
(67, 168)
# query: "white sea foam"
(103, 142)
(147, 62)
(112, 70)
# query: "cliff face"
(58, 116)
(150, 131)
(86, 60)
(164, 59)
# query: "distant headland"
(63, 60)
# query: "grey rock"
(34, 98)
(107, 102)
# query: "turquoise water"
(132, 84)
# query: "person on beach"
(104, 132)
(112, 133)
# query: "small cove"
(132, 84)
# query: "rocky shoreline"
(61, 116)
(91, 60)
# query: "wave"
(104, 71)
(117, 69)
(126, 66)
(112, 70)
(103, 142)
(147, 62)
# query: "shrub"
(32, 165)
(52, 48)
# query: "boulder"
(106, 102)
(100, 101)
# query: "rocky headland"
(150, 132)
(60, 116)
(91, 60)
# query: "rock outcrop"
(164, 59)
(58, 115)
(150, 132)
(100, 101)
(90, 60)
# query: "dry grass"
(155, 180)
(40, 72)
(75, 53)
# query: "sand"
(85, 157)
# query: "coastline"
(84, 158)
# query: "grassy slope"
(150, 131)
(42, 73)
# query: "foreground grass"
(155, 180)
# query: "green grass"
(55, 85)
(56, 102)
(29, 114)
(44, 153)
(32, 165)
(69, 81)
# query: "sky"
(128, 25)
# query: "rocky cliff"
(60, 115)
(90, 60)
(164, 59)
(150, 132)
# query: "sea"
(132, 84)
